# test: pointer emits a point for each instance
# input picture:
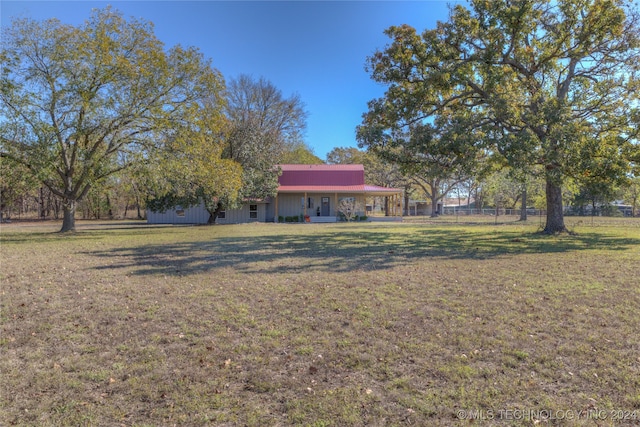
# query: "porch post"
(276, 216)
(305, 204)
(335, 205)
(364, 203)
(395, 204)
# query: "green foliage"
(602, 173)
(15, 182)
(502, 191)
(80, 103)
(300, 154)
(377, 171)
(262, 126)
(230, 156)
(535, 82)
(347, 156)
(190, 168)
(631, 194)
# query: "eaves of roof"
(306, 168)
(362, 189)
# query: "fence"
(618, 211)
(455, 210)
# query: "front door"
(325, 206)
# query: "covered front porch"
(324, 207)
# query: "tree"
(190, 169)
(535, 80)
(78, 104)
(511, 186)
(347, 156)
(434, 156)
(349, 208)
(237, 159)
(503, 190)
(632, 194)
(300, 154)
(603, 173)
(264, 126)
(377, 171)
(131, 191)
(15, 183)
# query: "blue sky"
(315, 49)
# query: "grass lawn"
(378, 324)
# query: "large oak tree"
(535, 81)
(264, 127)
(78, 104)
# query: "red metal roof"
(327, 178)
(323, 175)
(320, 188)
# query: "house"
(310, 193)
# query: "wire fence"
(613, 211)
(490, 211)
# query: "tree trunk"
(42, 203)
(213, 214)
(109, 208)
(434, 201)
(406, 203)
(433, 186)
(523, 206)
(138, 206)
(69, 217)
(555, 214)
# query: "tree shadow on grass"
(347, 249)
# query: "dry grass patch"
(318, 325)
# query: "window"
(179, 211)
(310, 203)
(222, 214)
(253, 211)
